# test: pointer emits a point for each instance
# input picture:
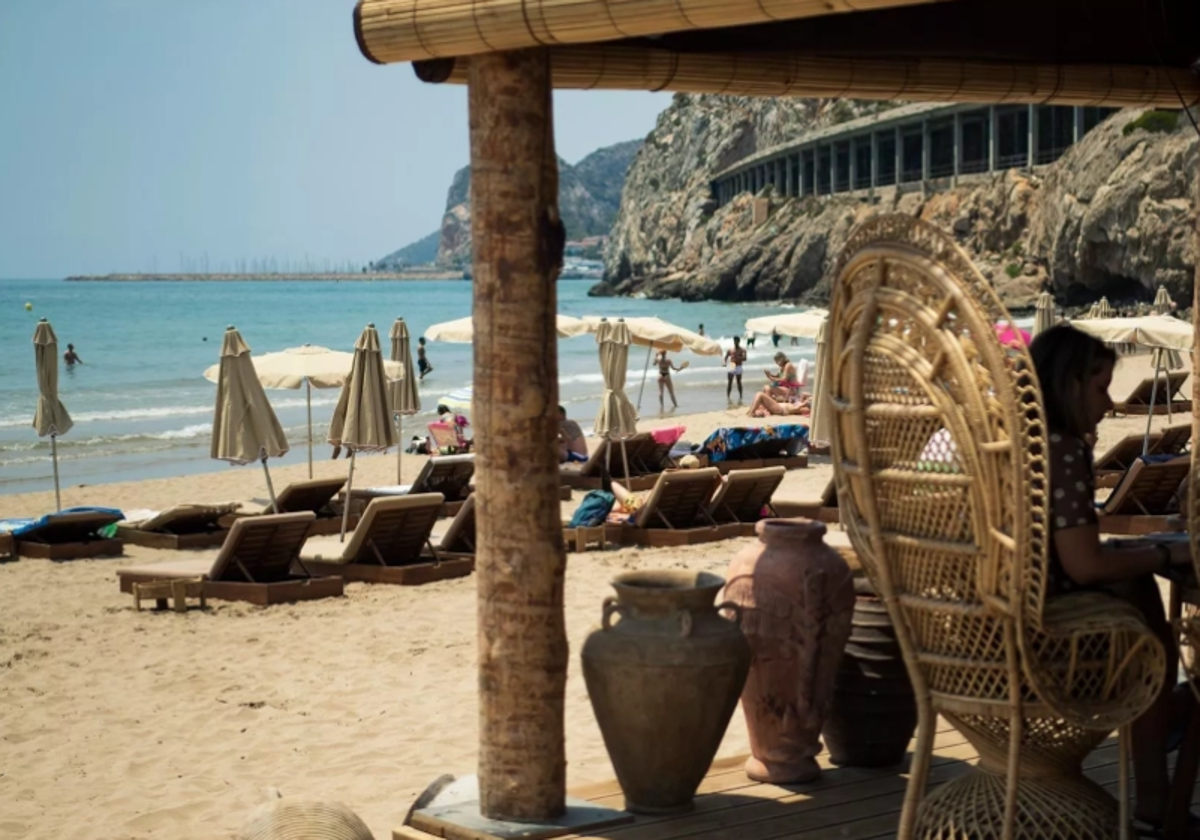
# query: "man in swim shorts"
(735, 357)
(423, 365)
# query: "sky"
(138, 133)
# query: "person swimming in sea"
(71, 357)
(423, 365)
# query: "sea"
(143, 409)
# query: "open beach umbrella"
(1043, 318)
(305, 367)
(657, 334)
(402, 395)
(617, 418)
(805, 324)
(462, 330)
(1159, 333)
(360, 420)
(50, 417)
(245, 427)
(818, 421)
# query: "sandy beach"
(120, 724)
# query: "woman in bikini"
(786, 383)
(665, 366)
(765, 405)
(1075, 371)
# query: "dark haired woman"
(1075, 371)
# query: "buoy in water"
(28, 307)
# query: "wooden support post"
(518, 246)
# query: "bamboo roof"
(1081, 52)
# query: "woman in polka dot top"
(1075, 371)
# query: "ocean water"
(143, 409)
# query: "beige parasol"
(617, 418)
(818, 421)
(1043, 318)
(360, 420)
(805, 324)
(402, 395)
(50, 417)
(462, 330)
(305, 367)
(245, 427)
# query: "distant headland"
(435, 274)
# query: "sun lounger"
(178, 527)
(314, 495)
(257, 563)
(390, 545)
(8, 546)
(823, 509)
(675, 512)
(743, 495)
(642, 452)
(459, 538)
(68, 535)
(449, 475)
(1142, 501)
(1168, 394)
(1174, 440)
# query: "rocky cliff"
(589, 194)
(1113, 216)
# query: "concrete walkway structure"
(911, 144)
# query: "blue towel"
(17, 527)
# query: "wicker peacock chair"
(938, 449)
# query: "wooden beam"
(926, 80)
(518, 245)
(413, 30)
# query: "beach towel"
(724, 442)
(669, 435)
(593, 510)
(20, 526)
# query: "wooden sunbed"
(257, 563)
(743, 495)
(1174, 440)
(1166, 400)
(180, 527)
(1141, 502)
(641, 451)
(390, 545)
(8, 546)
(314, 495)
(449, 475)
(1110, 466)
(823, 509)
(676, 512)
(70, 536)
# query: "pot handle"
(737, 611)
(685, 623)
(610, 606)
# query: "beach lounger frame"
(258, 564)
(1167, 400)
(449, 475)
(393, 544)
(180, 527)
(1139, 504)
(676, 513)
(641, 450)
(825, 509)
(742, 496)
(70, 536)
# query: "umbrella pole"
(1153, 399)
(54, 458)
(308, 386)
(349, 488)
(645, 373)
(399, 447)
(270, 486)
(625, 461)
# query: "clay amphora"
(664, 680)
(797, 600)
(874, 711)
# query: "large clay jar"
(664, 679)
(797, 599)
(874, 709)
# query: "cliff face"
(589, 194)
(1113, 216)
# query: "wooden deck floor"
(846, 803)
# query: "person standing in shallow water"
(71, 357)
(665, 366)
(735, 357)
(701, 329)
(422, 363)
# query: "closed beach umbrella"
(1166, 359)
(819, 419)
(245, 427)
(1162, 302)
(462, 330)
(617, 418)
(305, 367)
(657, 334)
(50, 417)
(402, 394)
(360, 420)
(1043, 318)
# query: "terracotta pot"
(874, 712)
(664, 681)
(797, 599)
